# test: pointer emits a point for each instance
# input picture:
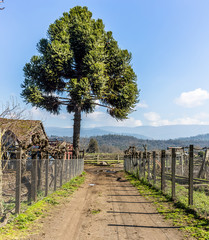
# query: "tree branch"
(101, 105)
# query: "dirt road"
(107, 207)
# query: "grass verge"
(180, 215)
(25, 223)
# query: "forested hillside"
(117, 143)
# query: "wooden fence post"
(154, 167)
(55, 173)
(47, 175)
(173, 176)
(70, 168)
(148, 162)
(140, 164)
(66, 167)
(18, 181)
(144, 163)
(191, 170)
(61, 171)
(34, 177)
(163, 171)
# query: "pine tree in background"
(80, 66)
(93, 146)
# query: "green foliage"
(80, 65)
(93, 146)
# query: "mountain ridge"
(141, 132)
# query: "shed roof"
(23, 129)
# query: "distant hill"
(115, 143)
(89, 132)
(200, 137)
(142, 132)
(161, 132)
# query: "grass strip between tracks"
(22, 225)
(181, 216)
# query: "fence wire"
(180, 173)
(25, 180)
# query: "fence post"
(139, 165)
(66, 167)
(55, 173)
(18, 181)
(154, 167)
(144, 162)
(70, 168)
(148, 162)
(173, 176)
(163, 171)
(191, 170)
(47, 175)
(34, 176)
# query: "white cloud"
(156, 120)
(193, 98)
(141, 105)
(152, 116)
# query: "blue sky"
(169, 42)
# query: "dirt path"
(107, 207)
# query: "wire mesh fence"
(180, 173)
(28, 178)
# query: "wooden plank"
(154, 167)
(55, 174)
(18, 181)
(34, 177)
(148, 163)
(191, 172)
(163, 171)
(61, 170)
(66, 168)
(47, 175)
(144, 164)
(173, 169)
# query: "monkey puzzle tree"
(80, 66)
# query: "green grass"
(179, 213)
(23, 224)
(95, 211)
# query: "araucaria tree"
(80, 65)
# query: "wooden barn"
(19, 132)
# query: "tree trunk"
(76, 131)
